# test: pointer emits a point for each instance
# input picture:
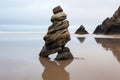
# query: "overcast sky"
(90, 13)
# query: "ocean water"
(34, 28)
(97, 57)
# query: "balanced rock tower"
(57, 36)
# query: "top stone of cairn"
(57, 9)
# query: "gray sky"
(90, 13)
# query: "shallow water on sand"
(97, 57)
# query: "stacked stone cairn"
(57, 36)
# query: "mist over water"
(22, 28)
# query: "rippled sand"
(97, 57)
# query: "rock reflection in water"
(110, 44)
(81, 39)
(54, 70)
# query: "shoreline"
(38, 34)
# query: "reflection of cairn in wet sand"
(110, 44)
(57, 36)
(81, 39)
(55, 70)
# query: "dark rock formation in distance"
(110, 25)
(57, 36)
(81, 30)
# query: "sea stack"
(110, 25)
(81, 30)
(57, 36)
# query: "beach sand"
(97, 57)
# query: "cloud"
(39, 12)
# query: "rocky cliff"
(110, 25)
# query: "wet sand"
(98, 58)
